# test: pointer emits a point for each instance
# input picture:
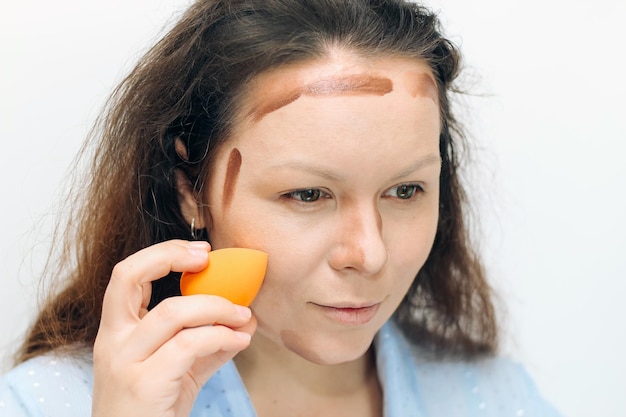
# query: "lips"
(349, 314)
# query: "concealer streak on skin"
(232, 172)
(293, 342)
(421, 84)
(359, 84)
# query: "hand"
(154, 363)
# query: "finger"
(124, 295)
(175, 314)
(204, 367)
(216, 344)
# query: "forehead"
(338, 113)
(342, 75)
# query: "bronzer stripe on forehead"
(421, 84)
(359, 84)
(232, 172)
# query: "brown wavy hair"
(188, 87)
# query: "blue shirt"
(413, 386)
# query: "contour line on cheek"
(232, 172)
(359, 84)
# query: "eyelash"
(312, 195)
(312, 192)
(414, 191)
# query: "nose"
(359, 243)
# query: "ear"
(187, 200)
(187, 197)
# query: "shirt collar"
(224, 395)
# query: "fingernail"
(200, 249)
(243, 336)
(243, 311)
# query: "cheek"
(235, 218)
(283, 275)
(294, 252)
(231, 230)
(411, 241)
(294, 245)
(297, 251)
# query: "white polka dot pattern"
(413, 386)
(37, 388)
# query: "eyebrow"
(430, 159)
(311, 169)
(359, 84)
(329, 175)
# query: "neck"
(281, 382)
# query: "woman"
(321, 133)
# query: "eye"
(308, 195)
(404, 191)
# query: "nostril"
(360, 244)
(367, 256)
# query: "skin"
(155, 363)
(232, 172)
(358, 84)
(357, 243)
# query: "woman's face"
(333, 170)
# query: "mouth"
(348, 314)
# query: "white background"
(547, 117)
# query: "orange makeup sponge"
(233, 273)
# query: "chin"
(326, 351)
